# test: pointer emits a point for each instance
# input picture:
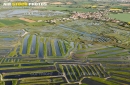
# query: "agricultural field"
(121, 16)
(5, 22)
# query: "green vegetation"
(121, 16)
(11, 22)
(103, 81)
(61, 48)
(37, 46)
(2, 25)
(37, 24)
(45, 49)
(53, 48)
(14, 82)
(13, 53)
(84, 84)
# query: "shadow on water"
(24, 51)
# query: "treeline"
(65, 0)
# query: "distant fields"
(122, 16)
(70, 9)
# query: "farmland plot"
(74, 72)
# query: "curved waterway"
(24, 51)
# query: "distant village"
(98, 16)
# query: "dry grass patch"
(27, 20)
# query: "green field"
(122, 16)
(10, 22)
(19, 21)
(7, 22)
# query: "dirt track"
(27, 20)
